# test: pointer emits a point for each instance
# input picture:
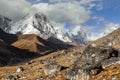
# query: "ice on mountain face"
(5, 23)
(79, 35)
(33, 24)
(62, 35)
(37, 23)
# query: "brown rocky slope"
(35, 43)
(112, 39)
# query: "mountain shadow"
(7, 38)
(10, 55)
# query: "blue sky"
(109, 12)
(91, 14)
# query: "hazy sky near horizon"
(91, 14)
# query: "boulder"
(52, 69)
(90, 62)
(20, 69)
(95, 55)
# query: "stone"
(10, 77)
(114, 77)
(20, 69)
(39, 78)
(89, 63)
(51, 69)
(111, 61)
(23, 78)
(95, 55)
(77, 74)
(93, 45)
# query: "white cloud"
(90, 6)
(64, 12)
(99, 6)
(99, 20)
(86, 1)
(14, 8)
(78, 1)
(74, 12)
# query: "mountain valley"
(33, 49)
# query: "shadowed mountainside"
(7, 38)
(10, 55)
(35, 43)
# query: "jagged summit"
(5, 23)
(34, 23)
(79, 35)
(37, 23)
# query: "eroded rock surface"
(92, 61)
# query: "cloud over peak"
(14, 8)
(64, 12)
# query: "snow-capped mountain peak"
(38, 24)
(79, 35)
(33, 24)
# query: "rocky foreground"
(99, 60)
(77, 63)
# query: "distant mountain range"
(37, 23)
(37, 47)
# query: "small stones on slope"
(114, 77)
(20, 69)
(39, 78)
(10, 77)
(51, 69)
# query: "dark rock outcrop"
(90, 62)
(5, 23)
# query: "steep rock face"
(79, 35)
(90, 62)
(5, 23)
(37, 23)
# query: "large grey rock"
(90, 62)
(109, 62)
(95, 55)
